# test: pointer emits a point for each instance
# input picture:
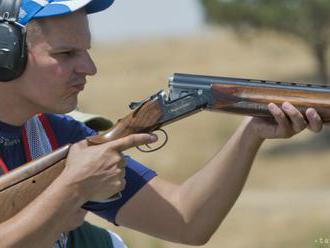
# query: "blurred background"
(138, 44)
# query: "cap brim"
(57, 8)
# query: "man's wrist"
(67, 192)
(250, 132)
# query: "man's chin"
(64, 109)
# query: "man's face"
(58, 64)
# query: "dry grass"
(286, 200)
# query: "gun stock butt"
(19, 187)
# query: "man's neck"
(13, 109)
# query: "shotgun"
(187, 95)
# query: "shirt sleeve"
(67, 130)
(137, 175)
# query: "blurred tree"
(307, 19)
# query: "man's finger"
(314, 119)
(133, 140)
(279, 116)
(79, 146)
(297, 119)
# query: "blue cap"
(31, 9)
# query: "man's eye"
(67, 53)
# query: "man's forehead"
(67, 31)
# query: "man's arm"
(191, 212)
(58, 208)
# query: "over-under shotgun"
(187, 94)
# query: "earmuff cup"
(13, 50)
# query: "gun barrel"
(180, 80)
(251, 96)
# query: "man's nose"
(86, 65)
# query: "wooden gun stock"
(20, 186)
(253, 101)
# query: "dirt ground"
(286, 200)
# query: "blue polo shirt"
(68, 130)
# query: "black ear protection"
(13, 49)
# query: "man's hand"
(289, 121)
(97, 172)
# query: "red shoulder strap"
(49, 130)
(26, 145)
(3, 166)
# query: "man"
(57, 66)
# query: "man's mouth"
(79, 87)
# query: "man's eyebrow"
(66, 48)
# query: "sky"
(138, 19)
